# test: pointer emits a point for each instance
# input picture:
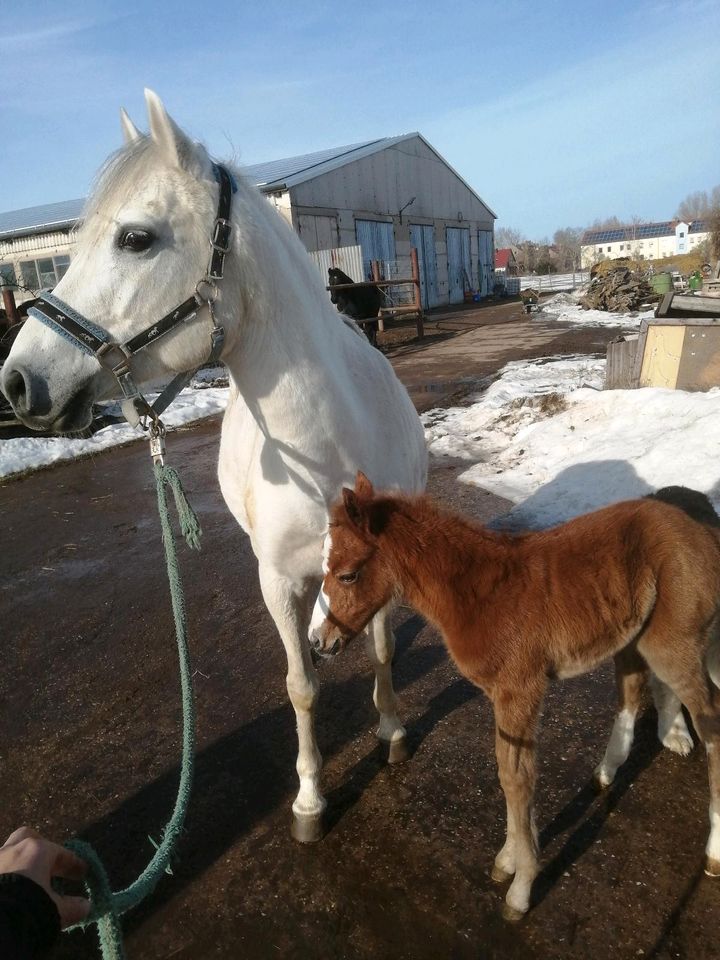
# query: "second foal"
(638, 581)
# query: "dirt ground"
(90, 727)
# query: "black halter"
(115, 357)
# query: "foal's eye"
(135, 240)
(347, 577)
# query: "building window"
(7, 275)
(39, 274)
(609, 249)
(681, 234)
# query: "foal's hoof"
(398, 750)
(511, 914)
(678, 741)
(499, 875)
(712, 867)
(307, 829)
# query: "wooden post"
(417, 291)
(10, 307)
(376, 275)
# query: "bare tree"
(508, 237)
(698, 205)
(567, 248)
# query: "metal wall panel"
(348, 259)
(422, 237)
(377, 240)
(458, 257)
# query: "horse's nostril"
(29, 395)
(16, 390)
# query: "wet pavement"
(90, 728)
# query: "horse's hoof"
(601, 780)
(712, 867)
(499, 875)
(307, 829)
(511, 914)
(398, 751)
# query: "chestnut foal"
(638, 581)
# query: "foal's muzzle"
(326, 647)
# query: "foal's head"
(358, 580)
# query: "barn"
(350, 205)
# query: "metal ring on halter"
(212, 294)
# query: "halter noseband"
(115, 357)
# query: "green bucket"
(695, 282)
(661, 283)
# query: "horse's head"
(141, 250)
(357, 581)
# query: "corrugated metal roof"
(41, 219)
(641, 231)
(305, 166)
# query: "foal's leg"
(380, 646)
(516, 716)
(630, 675)
(289, 609)
(672, 729)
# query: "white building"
(381, 196)
(643, 241)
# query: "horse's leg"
(288, 608)
(682, 668)
(672, 729)
(630, 676)
(516, 716)
(380, 646)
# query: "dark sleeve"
(29, 920)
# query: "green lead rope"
(107, 907)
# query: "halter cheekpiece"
(115, 357)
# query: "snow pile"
(29, 453)
(583, 448)
(526, 391)
(564, 308)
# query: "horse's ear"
(174, 145)
(353, 508)
(363, 487)
(129, 130)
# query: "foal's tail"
(699, 508)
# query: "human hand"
(31, 855)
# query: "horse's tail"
(695, 504)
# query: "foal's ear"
(129, 130)
(363, 487)
(354, 508)
(175, 146)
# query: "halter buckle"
(221, 235)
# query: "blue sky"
(555, 113)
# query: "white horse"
(311, 401)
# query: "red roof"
(502, 258)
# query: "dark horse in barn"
(362, 304)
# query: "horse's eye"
(347, 577)
(135, 240)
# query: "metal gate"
(486, 262)
(458, 254)
(422, 237)
(377, 241)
